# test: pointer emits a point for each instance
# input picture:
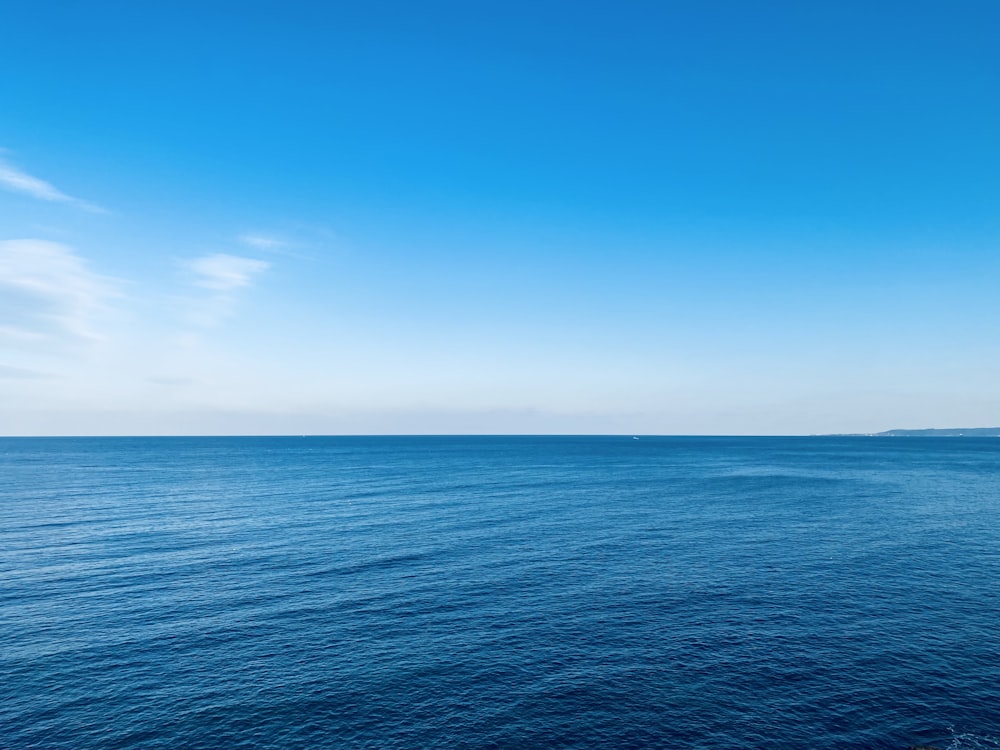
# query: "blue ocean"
(499, 592)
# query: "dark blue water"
(499, 593)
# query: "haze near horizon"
(649, 218)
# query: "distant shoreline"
(978, 432)
(933, 432)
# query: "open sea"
(499, 592)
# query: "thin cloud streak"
(262, 242)
(47, 292)
(273, 245)
(223, 275)
(18, 181)
(223, 272)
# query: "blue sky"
(482, 217)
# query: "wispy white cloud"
(47, 292)
(263, 241)
(17, 180)
(223, 275)
(224, 272)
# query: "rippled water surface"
(499, 593)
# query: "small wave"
(970, 741)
